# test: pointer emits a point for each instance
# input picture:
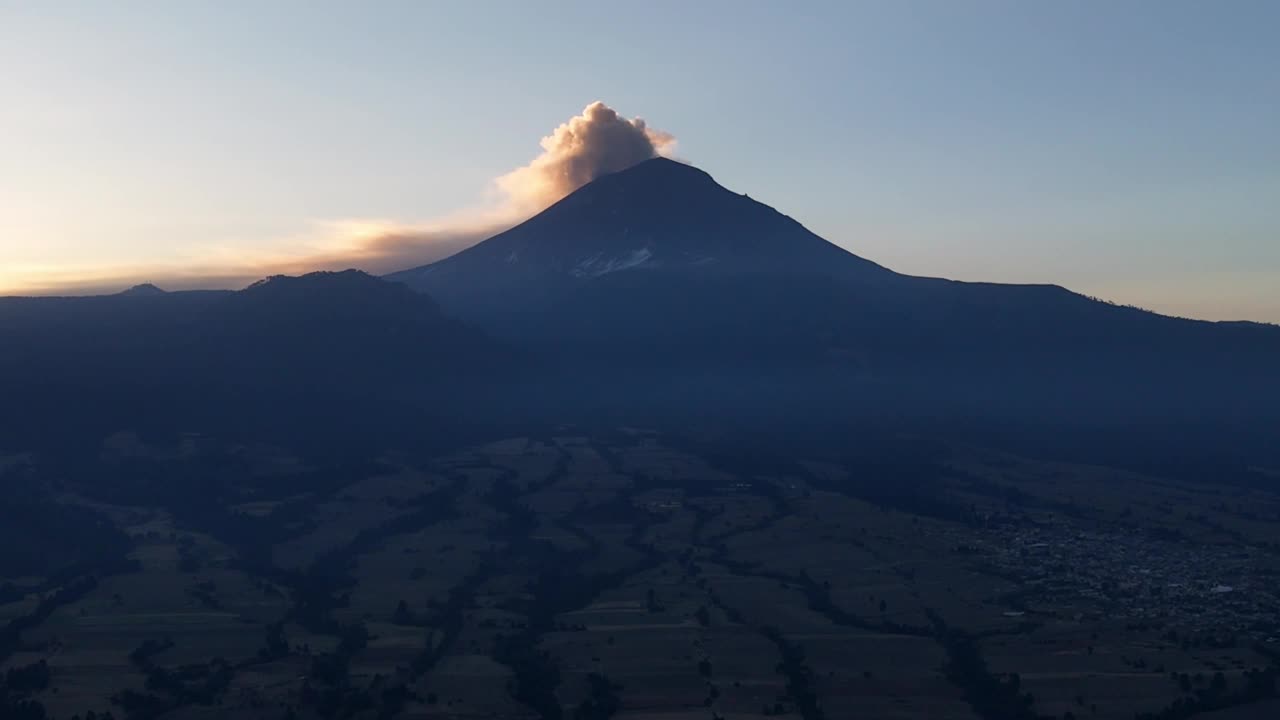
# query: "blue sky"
(1124, 149)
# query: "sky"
(1125, 149)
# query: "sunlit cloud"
(374, 246)
(594, 143)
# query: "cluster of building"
(1130, 575)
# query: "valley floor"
(634, 578)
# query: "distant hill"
(319, 348)
(349, 328)
(143, 289)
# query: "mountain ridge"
(665, 215)
(508, 259)
(776, 303)
(780, 325)
(322, 353)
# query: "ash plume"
(596, 142)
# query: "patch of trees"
(703, 616)
(730, 612)
(448, 617)
(819, 598)
(206, 593)
(1259, 684)
(199, 492)
(331, 668)
(602, 701)
(11, 634)
(199, 684)
(535, 674)
(328, 688)
(141, 656)
(275, 645)
(22, 709)
(992, 697)
(190, 559)
(558, 588)
(314, 600)
(27, 679)
(519, 519)
(16, 687)
(431, 508)
(402, 615)
(142, 706)
(799, 677)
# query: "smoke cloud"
(597, 142)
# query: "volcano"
(659, 269)
(659, 215)
(657, 250)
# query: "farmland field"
(629, 577)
